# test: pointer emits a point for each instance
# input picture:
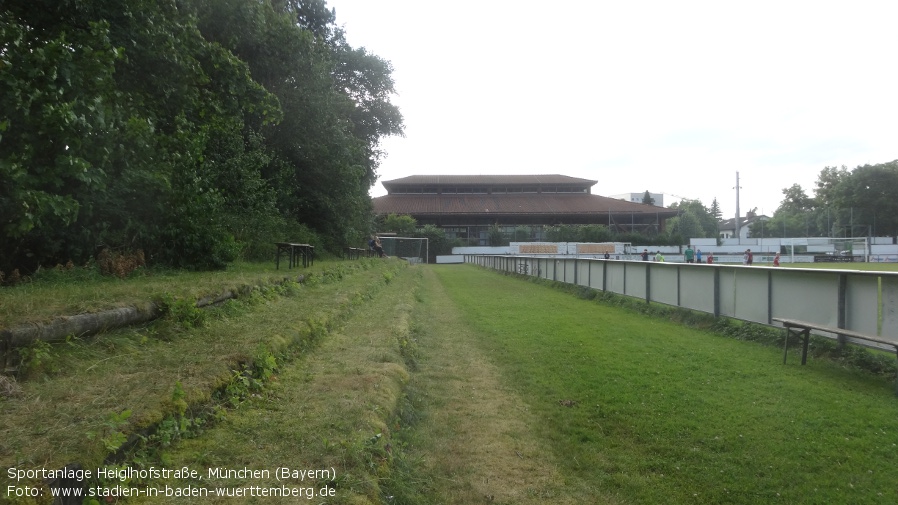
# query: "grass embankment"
(163, 382)
(60, 293)
(334, 411)
(639, 410)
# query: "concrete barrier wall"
(861, 301)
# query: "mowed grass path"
(639, 410)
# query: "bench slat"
(794, 323)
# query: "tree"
(700, 223)
(715, 210)
(647, 198)
(595, 233)
(402, 225)
(496, 237)
(868, 198)
(437, 242)
(58, 117)
(191, 129)
(685, 226)
(796, 200)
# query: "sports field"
(447, 384)
(620, 408)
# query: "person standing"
(645, 255)
(659, 257)
(776, 260)
(751, 258)
(745, 258)
(690, 254)
(711, 258)
(698, 255)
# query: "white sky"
(673, 97)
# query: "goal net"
(413, 250)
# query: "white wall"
(756, 294)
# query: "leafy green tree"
(595, 233)
(522, 234)
(563, 233)
(58, 115)
(438, 244)
(846, 203)
(685, 226)
(496, 237)
(867, 198)
(793, 218)
(402, 225)
(191, 129)
(700, 222)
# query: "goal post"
(411, 249)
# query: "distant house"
(467, 206)
(727, 228)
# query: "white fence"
(861, 301)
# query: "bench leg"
(805, 336)
(804, 348)
(786, 345)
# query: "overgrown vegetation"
(846, 203)
(195, 131)
(144, 390)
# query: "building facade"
(522, 206)
(657, 198)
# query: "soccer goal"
(413, 250)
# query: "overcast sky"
(673, 97)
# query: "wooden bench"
(802, 329)
(294, 252)
(355, 253)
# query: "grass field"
(643, 411)
(871, 267)
(452, 384)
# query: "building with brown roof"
(466, 206)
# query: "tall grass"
(641, 410)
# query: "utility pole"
(738, 231)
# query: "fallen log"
(58, 329)
(88, 324)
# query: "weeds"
(183, 312)
(113, 436)
(36, 359)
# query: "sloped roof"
(443, 180)
(547, 204)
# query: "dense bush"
(197, 131)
